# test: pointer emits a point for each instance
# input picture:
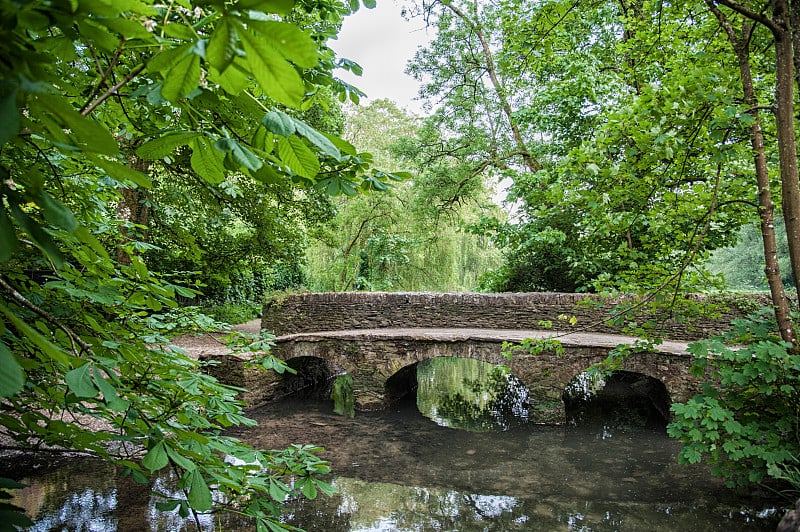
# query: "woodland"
(164, 165)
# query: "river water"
(398, 470)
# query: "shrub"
(745, 421)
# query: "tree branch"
(752, 15)
(112, 91)
(22, 300)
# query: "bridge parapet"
(315, 312)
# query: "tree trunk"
(780, 302)
(132, 209)
(784, 117)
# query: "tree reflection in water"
(470, 394)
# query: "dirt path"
(196, 345)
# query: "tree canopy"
(415, 236)
(638, 137)
(133, 135)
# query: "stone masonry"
(372, 357)
(308, 312)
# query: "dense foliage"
(629, 156)
(742, 265)
(139, 139)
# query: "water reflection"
(398, 471)
(619, 401)
(470, 394)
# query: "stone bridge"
(378, 338)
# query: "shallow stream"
(400, 471)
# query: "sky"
(382, 42)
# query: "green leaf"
(240, 154)
(691, 455)
(221, 48)
(342, 145)
(289, 41)
(281, 7)
(370, 4)
(9, 115)
(121, 172)
(12, 378)
(160, 147)
(88, 134)
(309, 489)
(168, 506)
(277, 78)
(717, 414)
(234, 79)
(110, 396)
(400, 176)
(56, 212)
(132, 29)
(98, 35)
(156, 458)
(199, 494)
(181, 79)
(317, 139)
(80, 381)
(48, 348)
(279, 123)
(179, 459)
(326, 488)
(278, 490)
(267, 174)
(298, 157)
(180, 31)
(207, 161)
(37, 234)
(165, 60)
(89, 241)
(263, 139)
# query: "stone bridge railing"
(299, 313)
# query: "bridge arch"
(617, 399)
(402, 384)
(380, 362)
(311, 376)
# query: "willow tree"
(412, 237)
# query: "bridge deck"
(486, 335)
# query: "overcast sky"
(382, 42)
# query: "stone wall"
(298, 313)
